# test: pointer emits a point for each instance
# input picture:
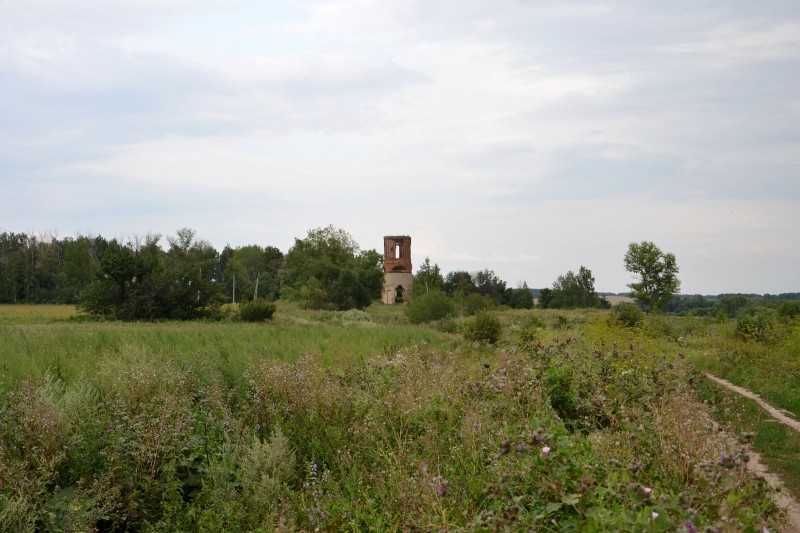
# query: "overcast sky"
(526, 137)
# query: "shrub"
(483, 327)
(446, 325)
(474, 303)
(661, 326)
(429, 307)
(530, 327)
(257, 311)
(758, 327)
(628, 315)
(789, 310)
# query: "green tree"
(459, 281)
(257, 270)
(140, 281)
(487, 283)
(574, 290)
(521, 297)
(328, 270)
(657, 272)
(428, 278)
(545, 298)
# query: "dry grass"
(36, 312)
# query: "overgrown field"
(358, 421)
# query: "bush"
(789, 310)
(429, 307)
(758, 327)
(446, 325)
(530, 327)
(628, 315)
(474, 303)
(257, 311)
(483, 327)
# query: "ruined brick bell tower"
(397, 277)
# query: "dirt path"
(782, 498)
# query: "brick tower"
(397, 277)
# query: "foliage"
(657, 272)
(521, 297)
(256, 311)
(589, 430)
(327, 270)
(483, 327)
(573, 290)
(530, 328)
(472, 303)
(545, 298)
(459, 282)
(756, 327)
(487, 283)
(257, 271)
(139, 281)
(429, 307)
(628, 315)
(428, 278)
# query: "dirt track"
(783, 499)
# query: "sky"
(526, 137)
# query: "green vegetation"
(483, 327)
(430, 307)
(658, 275)
(355, 420)
(142, 282)
(766, 362)
(256, 311)
(327, 270)
(778, 445)
(571, 291)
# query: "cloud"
(529, 138)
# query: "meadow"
(359, 421)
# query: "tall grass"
(770, 368)
(339, 422)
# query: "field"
(356, 421)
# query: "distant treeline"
(38, 268)
(327, 269)
(731, 305)
(138, 278)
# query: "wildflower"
(537, 437)
(546, 450)
(440, 484)
(689, 527)
(521, 448)
(654, 515)
(505, 448)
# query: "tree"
(574, 290)
(257, 272)
(487, 283)
(545, 298)
(328, 270)
(139, 281)
(459, 282)
(657, 272)
(521, 297)
(428, 278)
